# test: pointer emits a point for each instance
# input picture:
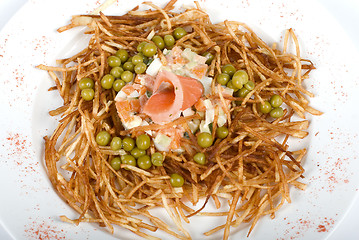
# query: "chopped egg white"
(193, 125)
(226, 91)
(154, 67)
(209, 114)
(204, 127)
(120, 96)
(162, 142)
(208, 104)
(222, 119)
(193, 57)
(188, 54)
(188, 112)
(137, 121)
(191, 65)
(134, 94)
(206, 82)
(209, 117)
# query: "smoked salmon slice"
(192, 91)
(172, 94)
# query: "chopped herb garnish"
(186, 135)
(148, 93)
(210, 126)
(149, 61)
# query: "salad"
(164, 109)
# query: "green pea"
(222, 132)
(157, 159)
(85, 83)
(140, 68)
(243, 92)
(143, 141)
(276, 112)
(249, 85)
(116, 72)
(176, 180)
(209, 57)
(103, 138)
(276, 101)
(137, 59)
(158, 40)
(116, 143)
(223, 78)
(265, 108)
(128, 144)
(107, 81)
(231, 86)
(127, 76)
(179, 33)
(116, 163)
(87, 94)
(114, 61)
(229, 69)
(144, 162)
(122, 54)
(149, 50)
(118, 85)
(239, 78)
(128, 66)
(200, 158)
(129, 160)
(169, 40)
(140, 46)
(136, 152)
(204, 139)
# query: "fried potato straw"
(249, 168)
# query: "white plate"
(29, 206)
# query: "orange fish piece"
(200, 70)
